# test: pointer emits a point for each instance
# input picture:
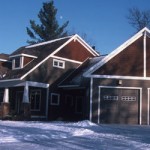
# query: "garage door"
(119, 106)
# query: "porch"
(23, 99)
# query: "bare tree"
(138, 19)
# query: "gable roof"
(117, 51)
(48, 49)
(75, 78)
(4, 57)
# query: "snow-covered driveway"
(82, 135)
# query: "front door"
(19, 97)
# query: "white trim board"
(148, 106)
(119, 77)
(65, 59)
(136, 88)
(22, 54)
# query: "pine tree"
(49, 28)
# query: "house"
(29, 77)
(116, 86)
(66, 79)
(120, 83)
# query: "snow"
(83, 135)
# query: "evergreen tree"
(49, 28)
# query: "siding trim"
(65, 59)
(136, 88)
(144, 51)
(120, 77)
(47, 102)
(91, 97)
(148, 108)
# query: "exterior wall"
(129, 62)
(46, 73)
(144, 85)
(27, 60)
(22, 110)
(70, 109)
(74, 51)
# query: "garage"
(119, 105)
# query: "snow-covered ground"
(82, 135)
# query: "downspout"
(144, 59)
(144, 48)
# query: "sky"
(103, 21)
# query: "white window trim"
(21, 63)
(39, 102)
(128, 98)
(58, 102)
(110, 97)
(59, 61)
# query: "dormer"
(19, 61)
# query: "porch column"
(26, 94)
(5, 104)
(26, 103)
(6, 96)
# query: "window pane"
(35, 100)
(17, 62)
(58, 63)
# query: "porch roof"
(22, 83)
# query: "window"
(128, 98)
(1, 97)
(35, 99)
(55, 99)
(17, 63)
(108, 97)
(58, 63)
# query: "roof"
(118, 50)
(4, 57)
(75, 78)
(47, 49)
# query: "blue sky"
(103, 21)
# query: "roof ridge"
(48, 42)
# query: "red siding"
(74, 51)
(129, 62)
(27, 60)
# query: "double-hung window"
(35, 100)
(58, 63)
